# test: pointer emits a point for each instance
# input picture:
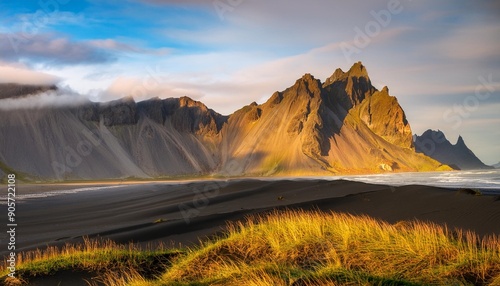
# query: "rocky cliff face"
(183, 113)
(385, 117)
(343, 125)
(111, 140)
(435, 145)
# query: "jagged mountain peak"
(337, 75)
(358, 70)
(305, 87)
(346, 126)
(435, 135)
(310, 80)
(186, 101)
(349, 88)
(437, 132)
(308, 77)
(343, 126)
(460, 141)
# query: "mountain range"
(341, 126)
(435, 145)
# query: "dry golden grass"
(104, 259)
(128, 276)
(318, 248)
(297, 248)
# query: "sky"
(441, 59)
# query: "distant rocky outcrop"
(435, 145)
(344, 125)
(496, 166)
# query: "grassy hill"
(287, 248)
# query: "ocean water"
(488, 181)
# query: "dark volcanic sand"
(195, 210)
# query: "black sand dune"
(183, 213)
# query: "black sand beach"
(184, 213)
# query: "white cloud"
(17, 73)
(49, 48)
(113, 45)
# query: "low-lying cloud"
(59, 98)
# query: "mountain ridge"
(344, 125)
(435, 145)
(13, 90)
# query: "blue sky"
(440, 59)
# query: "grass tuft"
(98, 258)
(317, 248)
(294, 248)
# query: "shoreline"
(401, 176)
(184, 213)
(37, 190)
